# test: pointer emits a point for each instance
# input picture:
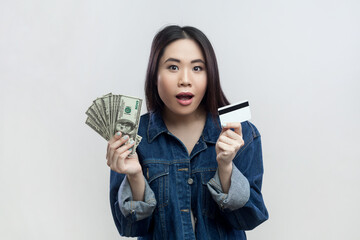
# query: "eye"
(173, 68)
(197, 68)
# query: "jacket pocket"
(157, 175)
(209, 205)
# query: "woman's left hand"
(228, 143)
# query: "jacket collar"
(157, 126)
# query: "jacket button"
(190, 181)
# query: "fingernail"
(131, 141)
(223, 124)
(118, 133)
(130, 149)
(125, 137)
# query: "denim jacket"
(178, 186)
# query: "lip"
(185, 98)
(184, 94)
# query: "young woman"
(191, 178)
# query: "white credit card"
(238, 112)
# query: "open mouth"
(185, 96)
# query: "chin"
(186, 112)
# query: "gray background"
(297, 62)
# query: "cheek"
(161, 91)
(160, 87)
(164, 87)
(203, 86)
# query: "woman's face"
(182, 79)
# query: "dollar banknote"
(115, 113)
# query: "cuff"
(141, 209)
(239, 191)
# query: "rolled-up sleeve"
(141, 209)
(243, 207)
(238, 194)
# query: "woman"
(190, 178)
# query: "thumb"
(116, 137)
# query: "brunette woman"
(191, 178)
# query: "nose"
(184, 79)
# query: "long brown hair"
(214, 96)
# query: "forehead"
(183, 49)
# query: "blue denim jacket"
(178, 185)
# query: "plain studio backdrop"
(297, 62)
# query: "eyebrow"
(177, 60)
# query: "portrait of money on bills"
(113, 113)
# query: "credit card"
(238, 112)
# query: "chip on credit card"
(237, 112)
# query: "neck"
(176, 120)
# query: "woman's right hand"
(119, 158)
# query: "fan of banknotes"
(113, 113)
